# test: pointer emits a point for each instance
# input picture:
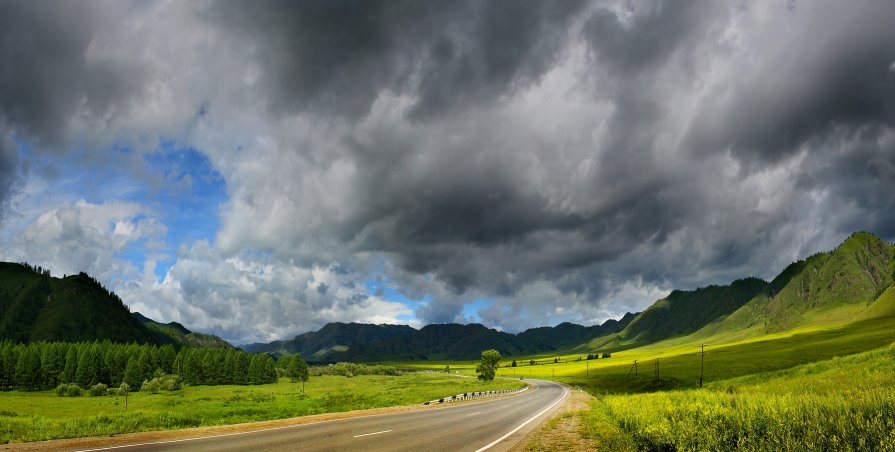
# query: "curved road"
(492, 425)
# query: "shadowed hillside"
(34, 306)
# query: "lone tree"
(298, 370)
(488, 367)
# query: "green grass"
(839, 404)
(679, 362)
(35, 416)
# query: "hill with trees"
(181, 335)
(35, 307)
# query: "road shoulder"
(563, 431)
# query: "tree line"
(45, 365)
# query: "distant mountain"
(34, 306)
(333, 338)
(182, 336)
(366, 343)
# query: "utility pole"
(633, 369)
(587, 369)
(701, 362)
(657, 369)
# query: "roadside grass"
(814, 388)
(37, 416)
(839, 404)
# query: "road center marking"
(473, 414)
(374, 433)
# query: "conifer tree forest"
(46, 365)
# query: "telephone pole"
(701, 362)
(657, 369)
(633, 369)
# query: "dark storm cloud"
(48, 81)
(540, 153)
(655, 32)
(47, 77)
(337, 57)
(809, 88)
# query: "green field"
(814, 388)
(838, 404)
(35, 416)
(679, 362)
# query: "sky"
(258, 169)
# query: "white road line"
(248, 432)
(473, 414)
(374, 433)
(564, 394)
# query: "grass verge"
(37, 416)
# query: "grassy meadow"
(36, 416)
(679, 362)
(839, 404)
(814, 388)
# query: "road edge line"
(498, 440)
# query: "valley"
(806, 357)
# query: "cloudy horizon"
(257, 170)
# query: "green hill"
(35, 306)
(825, 289)
(182, 336)
(684, 312)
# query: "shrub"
(167, 382)
(68, 390)
(113, 392)
(150, 386)
(98, 389)
(352, 369)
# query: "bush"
(167, 382)
(113, 392)
(98, 389)
(352, 369)
(150, 386)
(68, 390)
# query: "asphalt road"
(493, 425)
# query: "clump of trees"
(487, 368)
(294, 367)
(43, 365)
(353, 369)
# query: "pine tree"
(52, 360)
(256, 370)
(7, 373)
(71, 364)
(28, 370)
(167, 356)
(133, 375)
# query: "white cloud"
(83, 236)
(248, 298)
